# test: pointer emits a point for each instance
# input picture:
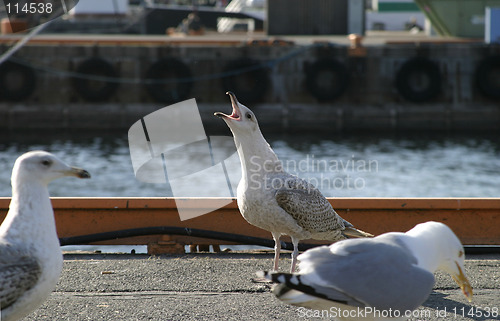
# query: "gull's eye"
(249, 116)
(46, 162)
(460, 253)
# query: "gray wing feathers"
(308, 206)
(17, 275)
(372, 268)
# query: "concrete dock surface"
(219, 286)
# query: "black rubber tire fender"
(247, 78)
(172, 80)
(95, 90)
(17, 81)
(487, 76)
(418, 80)
(327, 79)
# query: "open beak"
(78, 172)
(463, 283)
(236, 114)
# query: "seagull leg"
(277, 249)
(295, 253)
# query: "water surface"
(340, 165)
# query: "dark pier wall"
(321, 86)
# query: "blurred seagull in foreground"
(30, 256)
(392, 273)
(274, 200)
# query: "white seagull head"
(452, 255)
(43, 167)
(242, 120)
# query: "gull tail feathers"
(351, 232)
(296, 289)
(289, 288)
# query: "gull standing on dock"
(30, 255)
(389, 275)
(274, 200)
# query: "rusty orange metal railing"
(476, 221)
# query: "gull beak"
(463, 282)
(235, 115)
(78, 172)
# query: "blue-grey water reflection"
(344, 165)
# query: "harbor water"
(340, 165)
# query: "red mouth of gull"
(235, 115)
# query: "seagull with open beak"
(274, 200)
